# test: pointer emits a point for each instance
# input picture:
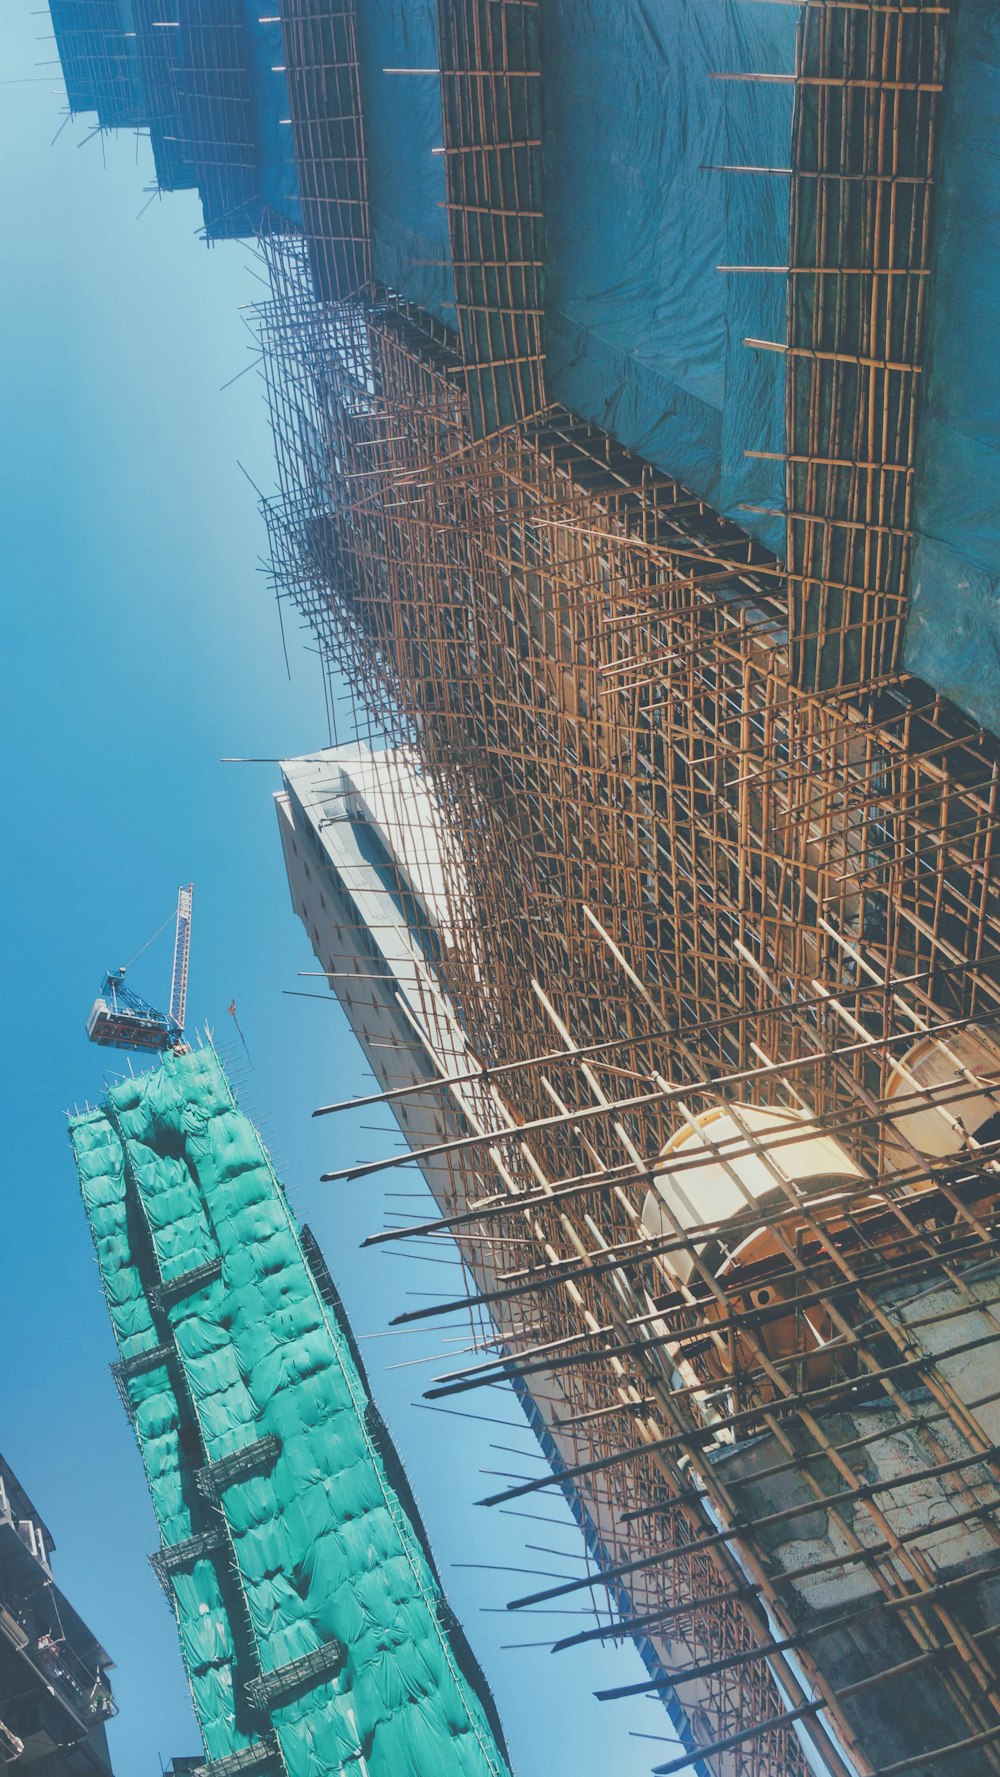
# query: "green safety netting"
(321, 1546)
(166, 1434)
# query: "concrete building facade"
(369, 880)
(364, 851)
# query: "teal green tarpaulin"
(232, 1355)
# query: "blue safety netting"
(272, 130)
(645, 336)
(97, 50)
(235, 115)
(411, 252)
(208, 81)
(160, 69)
(953, 627)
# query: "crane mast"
(182, 952)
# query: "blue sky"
(141, 646)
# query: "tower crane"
(119, 1019)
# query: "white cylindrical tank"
(943, 1065)
(719, 1179)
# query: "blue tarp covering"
(953, 628)
(97, 50)
(277, 182)
(234, 106)
(644, 335)
(406, 181)
(209, 83)
(159, 63)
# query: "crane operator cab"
(119, 1019)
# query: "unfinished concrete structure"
(369, 883)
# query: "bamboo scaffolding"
(672, 863)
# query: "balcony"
(76, 1683)
(70, 1669)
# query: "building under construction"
(635, 411)
(369, 883)
(620, 510)
(315, 1634)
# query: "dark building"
(55, 1696)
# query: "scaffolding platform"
(173, 1289)
(227, 1471)
(175, 1557)
(273, 1688)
